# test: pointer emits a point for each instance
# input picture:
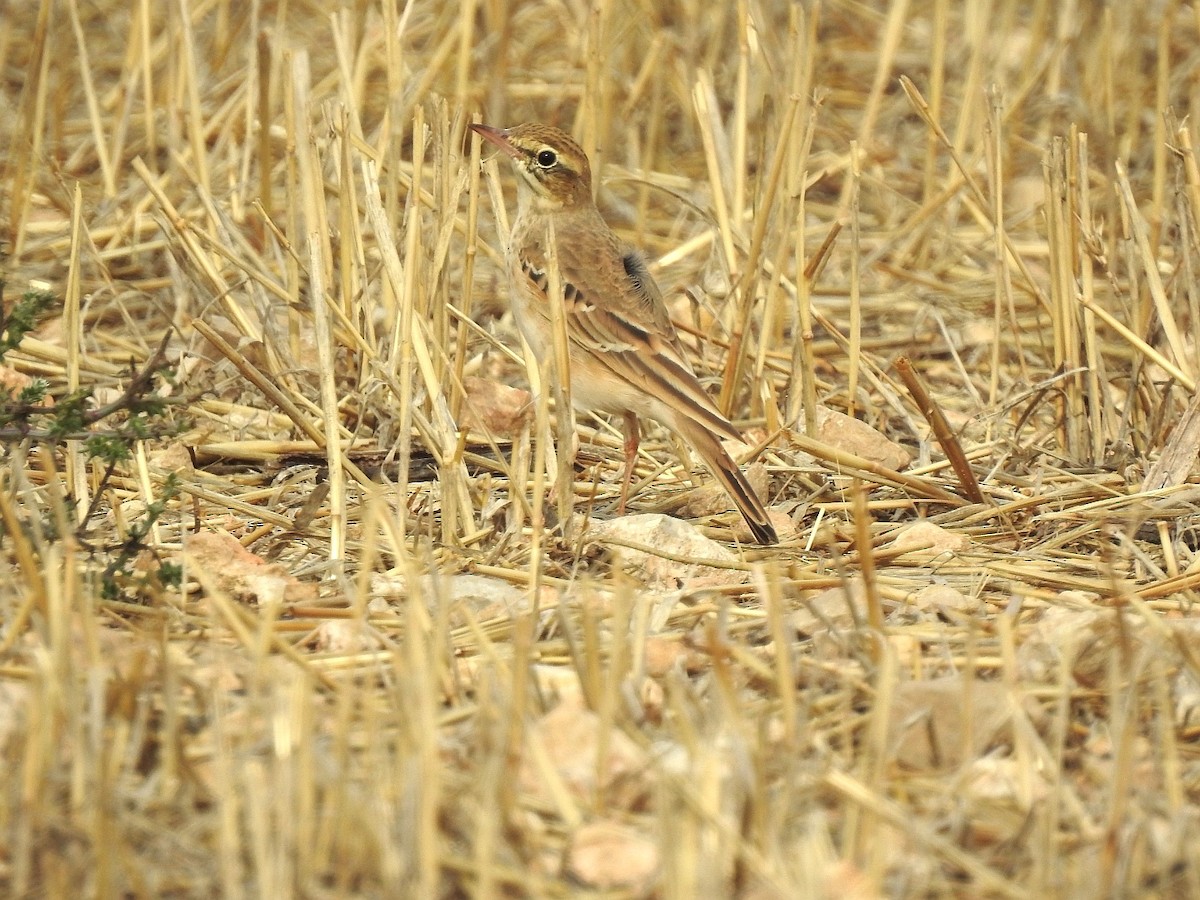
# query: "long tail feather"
(708, 445)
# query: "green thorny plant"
(108, 434)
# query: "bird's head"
(552, 166)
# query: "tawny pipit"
(624, 354)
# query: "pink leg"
(632, 438)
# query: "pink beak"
(497, 136)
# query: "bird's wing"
(615, 313)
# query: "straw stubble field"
(398, 664)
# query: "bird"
(624, 355)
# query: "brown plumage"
(624, 354)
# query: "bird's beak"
(497, 136)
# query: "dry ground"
(386, 675)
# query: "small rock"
(926, 541)
(607, 855)
(855, 436)
(569, 740)
(928, 721)
(676, 542)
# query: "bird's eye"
(547, 158)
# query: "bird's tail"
(708, 445)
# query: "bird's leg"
(632, 438)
